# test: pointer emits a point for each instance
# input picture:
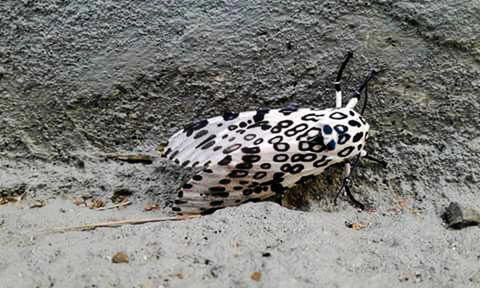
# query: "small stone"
(256, 276)
(120, 257)
(38, 204)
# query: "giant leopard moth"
(252, 155)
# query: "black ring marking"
(312, 117)
(281, 147)
(249, 137)
(259, 175)
(297, 168)
(343, 138)
(286, 167)
(309, 157)
(265, 166)
(238, 174)
(338, 116)
(321, 162)
(297, 129)
(345, 152)
(276, 139)
(280, 157)
(276, 130)
(258, 141)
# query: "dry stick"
(114, 206)
(124, 222)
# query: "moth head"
(327, 137)
(349, 130)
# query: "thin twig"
(111, 224)
(140, 158)
(114, 206)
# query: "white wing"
(247, 158)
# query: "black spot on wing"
(251, 158)
(207, 142)
(200, 134)
(244, 166)
(260, 115)
(354, 123)
(357, 137)
(227, 116)
(251, 150)
(225, 161)
(208, 145)
(192, 127)
(224, 181)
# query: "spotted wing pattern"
(251, 155)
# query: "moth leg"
(338, 88)
(379, 161)
(356, 95)
(346, 183)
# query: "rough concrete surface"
(82, 79)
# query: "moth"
(250, 156)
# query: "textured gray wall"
(84, 77)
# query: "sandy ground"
(81, 80)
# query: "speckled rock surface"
(81, 79)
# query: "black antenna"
(365, 100)
(340, 71)
(357, 93)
